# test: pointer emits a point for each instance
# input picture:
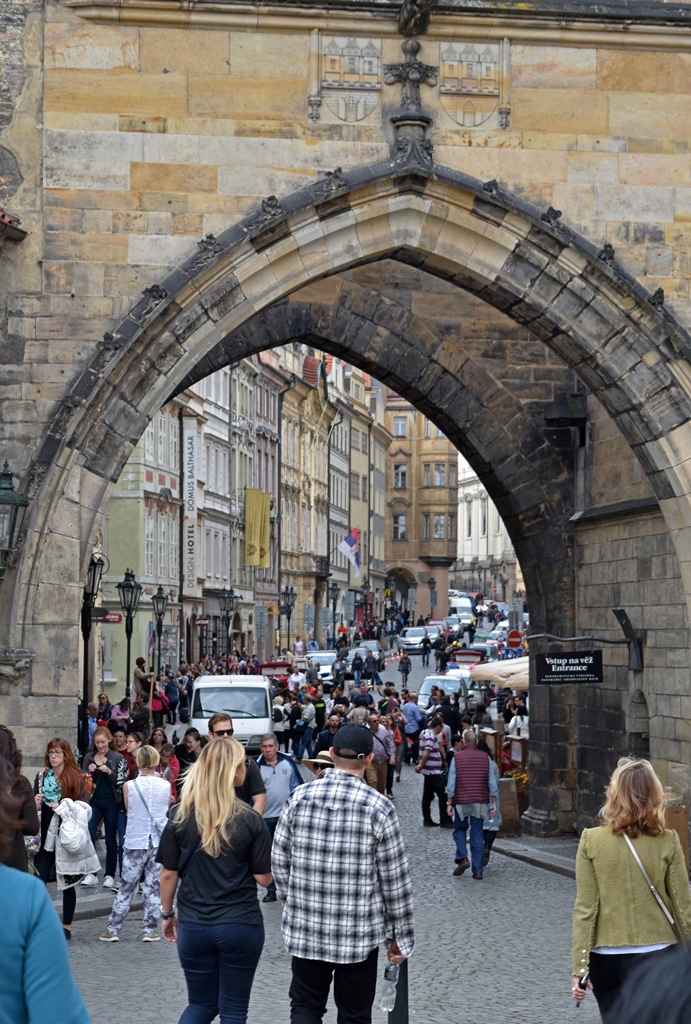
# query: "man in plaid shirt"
(337, 826)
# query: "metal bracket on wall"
(633, 641)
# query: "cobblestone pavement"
(486, 952)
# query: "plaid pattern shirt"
(339, 827)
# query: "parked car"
(410, 638)
(324, 662)
(448, 684)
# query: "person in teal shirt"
(36, 976)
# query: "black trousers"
(43, 862)
(608, 972)
(354, 988)
(434, 785)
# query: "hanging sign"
(574, 667)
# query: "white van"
(462, 607)
(246, 699)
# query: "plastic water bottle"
(388, 992)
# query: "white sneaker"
(108, 937)
(89, 880)
(151, 937)
(108, 882)
(115, 887)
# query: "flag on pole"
(351, 549)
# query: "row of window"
(161, 442)
(400, 427)
(400, 475)
(161, 550)
(290, 527)
(435, 526)
(359, 440)
(359, 486)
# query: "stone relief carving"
(474, 83)
(15, 670)
(348, 79)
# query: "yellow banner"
(257, 528)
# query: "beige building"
(422, 510)
(307, 415)
(358, 599)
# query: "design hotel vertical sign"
(190, 511)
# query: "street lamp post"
(91, 589)
(12, 510)
(364, 589)
(227, 600)
(432, 584)
(129, 592)
(160, 603)
(288, 599)
(334, 594)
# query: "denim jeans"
(219, 962)
(357, 676)
(110, 829)
(477, 841)
(304, 743)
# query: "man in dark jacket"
(325, 739)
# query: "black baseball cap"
(353, 742)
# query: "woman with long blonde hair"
(217, 849)
(618, 923)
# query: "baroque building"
(422, 510)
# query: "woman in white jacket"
(147, 799)
(62, 782)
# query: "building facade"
(422, 510)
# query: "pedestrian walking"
(431, 767)
(214, 851)
(109, 772)
(426, 645)
(146, 801)
(20, 804)
(339, 819)
(472, 796)
(632, 889)
(383, 753)
(36, 980)
(404, 667)
(414, 722)
(281, 778)
(59, 788)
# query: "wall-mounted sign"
(578, 667)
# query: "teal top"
(36, 976)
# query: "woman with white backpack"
(147, 799)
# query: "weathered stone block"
(114, 92)
(562, 110)
(184, 51)
(173, 178)
(90, 46)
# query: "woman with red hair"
(59, 780)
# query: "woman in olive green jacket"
(618, 924)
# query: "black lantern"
(91, 589)
(160, 603)
(228, 600)
(12, 509)
(334, 594)
(129, 592)
(432, 584)
(288, 599)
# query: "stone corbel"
(15, 671)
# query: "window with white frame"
(149, 559)
(453, 474)
(174, 461)
(428, 428)
(425, 526)
(149, 442)
(162, 439)
(426, 475)
(399, 527)
(452, 527)
(174, 551)
(400, 477)
(354, 485)
(162, 553)
(439, 474)
(438, 526)
(365, 488)
(400, 426)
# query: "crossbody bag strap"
(652, 888)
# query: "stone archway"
(625, 349)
